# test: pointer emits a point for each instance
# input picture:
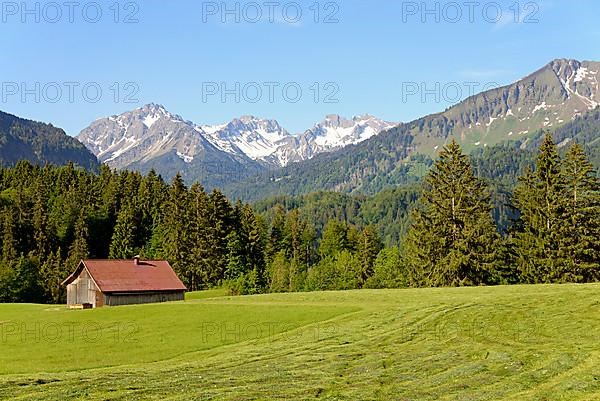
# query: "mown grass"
(39, 338)
(213, 293)
(504, 343)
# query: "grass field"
(505, 343)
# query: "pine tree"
(539, 198)
(200, 232)
(79, 248)
(52, 274)
(176, 229)
(123, 245)
(220, 223)
(580, 225)
(368, 248)
(452, 240)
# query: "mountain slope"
(252, 137)
(151, 137)
(40, 143)
(333, 133)
(549, 98)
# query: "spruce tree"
(237, 241)
(176, 229)
(275, 243)
(540, 200)
(579, 244)
(255, 246)
(52, 273)
(200, 241)
(123, 240)
(335, 239)
(221, 224)
(9, 241)
(452, 240)
(40, 227)
(79, 248)
(368, 248)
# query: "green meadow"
(486, 343)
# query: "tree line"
(555, 237)
(52, 217)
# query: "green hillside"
(40, 143)
(401, 156)
(489, 343)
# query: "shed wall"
(82, 290)
(115, 299)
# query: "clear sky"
(393, 59)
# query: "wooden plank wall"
(142, 298)
(82, 290)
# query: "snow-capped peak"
(254, 137)
(150, 131)
(336, 131)
(265, 140)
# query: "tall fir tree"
(41, 230)
(123, 243)
(540, 200)
(237, 240)
(200, 232)
(369, 247)
(335, 239)
(221, 226)
(52, 273)
(9, 241)
(579, 243)
(452, 240)
(276, 241)
(79, 249)
(176, 230)
(255, 247)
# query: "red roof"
(126, 276)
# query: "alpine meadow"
(422, 228)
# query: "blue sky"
(373, 57)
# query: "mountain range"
(555, 95)
(252, 157)
(150, 137)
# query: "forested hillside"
(51, 217)
(40, 144)
(392, 159)
(387, 211)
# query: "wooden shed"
(97, 283)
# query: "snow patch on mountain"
(268, 142)
(151, 131)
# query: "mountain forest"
(538, 223)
